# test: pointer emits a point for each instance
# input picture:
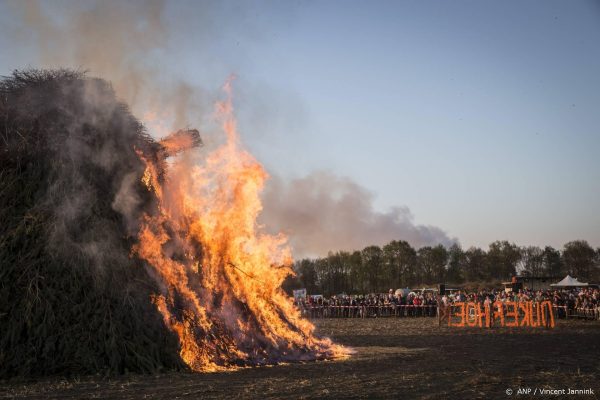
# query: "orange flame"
(221, 276)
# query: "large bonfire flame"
(220, 276)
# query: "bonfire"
(117, 253)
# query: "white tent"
(568, 281)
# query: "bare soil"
(394, 358)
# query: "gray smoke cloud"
(122, 42)
(323, 212)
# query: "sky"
(477, 118)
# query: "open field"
(394, 358)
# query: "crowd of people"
(567, 303)
(371, 305)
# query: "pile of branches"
(72, 298)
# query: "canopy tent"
(568, 281)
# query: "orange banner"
(509, 314)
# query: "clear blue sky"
(482, 117)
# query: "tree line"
(398, 264)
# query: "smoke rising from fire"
(323, 212)
(127, 42)
(122, 42)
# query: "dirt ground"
(394, 358)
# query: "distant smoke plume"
(323, 212)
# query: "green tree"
(358, 274)
(455, 262)
(440, 260)
(400, 260)
(532, 261)
(306, 275)
(553, 265)
(424, 270)
(337, 277)
(323, 276)
(431, 263)
(475, 265)
(372, 258)
(503, 258)
(579, 258)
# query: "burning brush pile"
(117, 253)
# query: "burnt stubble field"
(394, 358)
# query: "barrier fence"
(365, 311)
(578, 312)
(427, 310)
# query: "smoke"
(89, 142)
(323, 212)
(123, 42)
(128, 44)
